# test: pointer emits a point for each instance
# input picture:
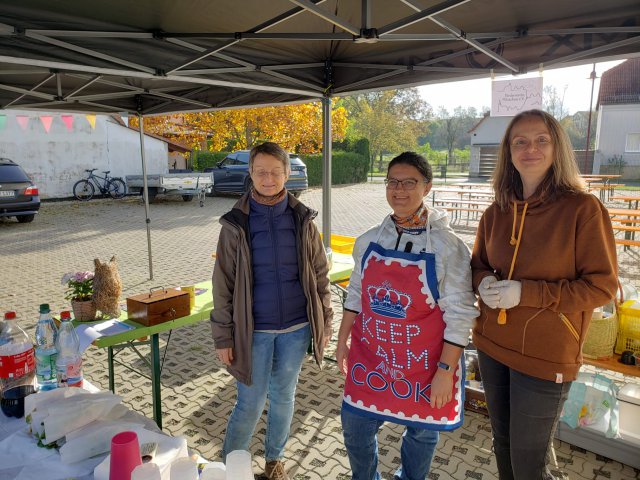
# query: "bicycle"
(84, 189)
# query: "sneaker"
(275, 471)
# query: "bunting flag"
(23, 121)
(68, 121)
(3, 121)
(92, 120)
(46, 122)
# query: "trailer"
(186, 184)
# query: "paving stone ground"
(197, 392)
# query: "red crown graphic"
(388, 301)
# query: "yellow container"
(342, 243)
(629, 329)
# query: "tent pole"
(326, 171)
(145, 193)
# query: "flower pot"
(84, 310)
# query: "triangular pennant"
(46, 122)
(68, 121)
(3, 121)
(92, 120)
(23, 121)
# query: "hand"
(225, 355)
(342, 353)
(488, 294)
(327, 337)
(441, 388)
(509, 292)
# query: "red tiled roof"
(621, 84)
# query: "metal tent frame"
(153, 57)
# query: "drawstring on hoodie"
(502, 315)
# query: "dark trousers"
(524, 412)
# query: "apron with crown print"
(396, 342)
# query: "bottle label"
(15, 366)
(46, 365)
(70, 373)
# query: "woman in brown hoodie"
(543, 259)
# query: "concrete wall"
(57, 159)
(614, 123)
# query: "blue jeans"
(524, 413)
(360, 438)
(276, 362)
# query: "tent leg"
(145, 194)
(326, 171)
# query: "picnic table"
(631, 219)
(632, 200)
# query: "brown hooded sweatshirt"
(567, 265)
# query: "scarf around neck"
(414, 224)
(269, 200)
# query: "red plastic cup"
(125, 455)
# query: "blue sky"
(477, 93)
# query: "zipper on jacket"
(570, 326)
(398, 240)
(272, 232)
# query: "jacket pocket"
(551, 336)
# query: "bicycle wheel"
(83, 190)
(116, 188)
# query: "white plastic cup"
(239, 465)
(184, 469)
(146, 471)
(214, 471)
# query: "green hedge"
(346, 167)
(201, 160)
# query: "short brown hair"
(270, 148)
(563, 176)
(415, 160)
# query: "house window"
(633, 142)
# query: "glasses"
(407, 184)
(525, 144)
(265, 174)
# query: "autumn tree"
(451, 129)
(392, 120)
(553, 102)
(298, 128)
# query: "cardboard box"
(158, 306)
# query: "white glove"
(488, 294)
(509, 292)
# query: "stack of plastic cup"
(146, 471)
(214, 471)
(125, 455)
(239, 465)
(184, 469)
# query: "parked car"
(19, 197)
(231, 175)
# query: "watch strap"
(445, 366)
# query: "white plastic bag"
(592, 402)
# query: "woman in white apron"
(407, 318)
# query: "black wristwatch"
(446, 367)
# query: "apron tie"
(502, 315)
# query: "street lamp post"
(586, 151)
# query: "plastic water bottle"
(69, 362)
(46, 353)
(17, 366)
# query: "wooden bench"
(626, 242)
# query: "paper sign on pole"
(510, 97)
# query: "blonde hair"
(563, 176)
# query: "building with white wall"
(618, 133)
(56, 148)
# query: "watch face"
(444, 366)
